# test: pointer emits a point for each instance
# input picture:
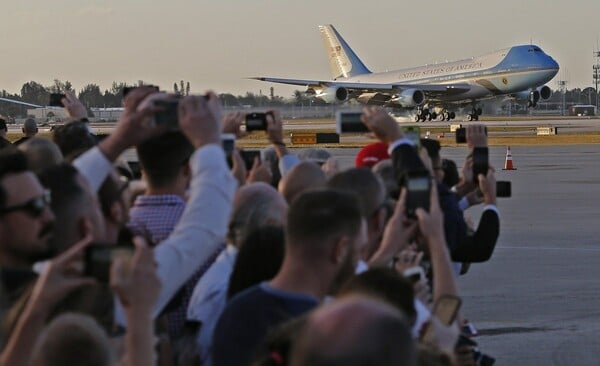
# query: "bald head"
(367, 185)
(355, 332)
(41, 153)
(73, 339)
(303, 177)
(30, 127)
(255, 205)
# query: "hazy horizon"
(218, 45)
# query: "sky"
(218, 44)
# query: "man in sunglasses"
(26, 222)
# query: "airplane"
(22, 103)
(518, 72)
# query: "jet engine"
(334, 94)
(545, 92)
(532, 97)
(409, 98)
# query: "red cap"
(372, 154)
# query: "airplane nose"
(552, 63)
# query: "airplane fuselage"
(507, 71)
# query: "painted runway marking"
(553, 248)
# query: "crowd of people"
(290, 261)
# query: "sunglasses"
(34, 207)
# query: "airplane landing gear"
(446, 116)
(474, 115)
(423, 115)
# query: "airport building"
(582, 110)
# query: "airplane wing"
(22, 103)
(432, 90)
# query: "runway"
(574, 125)
(537, 301)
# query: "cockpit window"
(534, 49)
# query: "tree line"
(92, 96)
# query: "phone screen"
(56, 100)
(168, 115)
(256, 122)
(418, 191)
(350, 122)
(503, 189)
(480, 162)
(414, 134)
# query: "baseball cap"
(372, 154)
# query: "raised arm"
(203, 225)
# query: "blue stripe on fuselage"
(518, 59)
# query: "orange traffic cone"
(508, 163)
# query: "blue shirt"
(247, 319)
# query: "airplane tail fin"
(342, 60)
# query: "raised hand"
(74, 107)
(384, 127)
(199, 119)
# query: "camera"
(129, 89)
(461, 135)
(418, 191)
(168, 114)
(257, 121)
(56, 100)
(349, 121)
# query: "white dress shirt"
(209, 299)
(202, 227)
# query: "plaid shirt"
(155, 216)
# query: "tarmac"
(537, 301)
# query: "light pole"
(596, 76)
(562, 85)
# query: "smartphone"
(418, 191)
(414, 274)
(169, 113)
(228, 143)
(135, 169)
(349, 121)
(413, 133)
(461, 135)
(445, 310)
(256, 121)
(56, 100)
(129, 89)
(480, 162)
(100, 256)
(248, 156)
(503, 189)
